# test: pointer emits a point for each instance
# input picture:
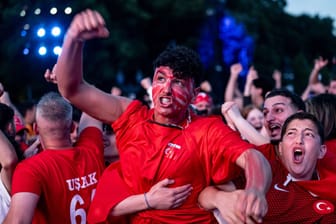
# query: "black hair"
(296, 100)
(303, 116)
(323, 106)
(184, 62)
(266, 84)
(6, 117)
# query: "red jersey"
(201, 154)
(269, 151)
(331, 145)
(290, 202)
(65, 179)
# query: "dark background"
(257, 32)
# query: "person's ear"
(280, 148)
(73, 127)
(322, 151)
(196, 91)
(35, 128)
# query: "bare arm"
(319, 64)
(22, 208)
(231, 86)
(159, 197)
(8, 161)
(277, 78)
(252, 202)
(251, 75)
(86, 25)
(231, 113)
(241, 206)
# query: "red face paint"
(171, 95)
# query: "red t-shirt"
(65, 179)
(201, 154)
(293, 203)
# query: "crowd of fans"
(265, 155)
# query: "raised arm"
(8, 161)
(232, 84)
(232, 114)
(86, 25)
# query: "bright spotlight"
(23, 13)
(68, 10)
(53, 10)
(57, 50)
(37, 11)
(42, 51)
(41, 32)
(56, 31)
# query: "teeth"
(165, 100)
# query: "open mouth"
(298, 155)
(165, 101)
(274, 129)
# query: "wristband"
(147, 203)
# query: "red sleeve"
(268, 151)
(110, 190)
(92, 138)
(225, 146)
(25, 179)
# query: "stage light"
(68, 10)
(25, 51)
(41, 32)
(56, 31)
(23, 33)
(26, 26)
(53, 10)
(42, 51)
(57, 50)
(37, 11)
(23, 13)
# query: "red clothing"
(293, 203)
(201, 154)
(269, 151)
(331, 145)
(65, 179)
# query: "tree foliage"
(140, 29)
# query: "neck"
(181, 123)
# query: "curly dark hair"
(184, 62)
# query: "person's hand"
(252, 74)
(241, 206)
(87, 25)
(116, 91)
(231, 113)
(50, 76)
(235, 70)
(319, 63)
(252, 205)
(206, 86)
(146, 83)
(276, 75)
(162, 197)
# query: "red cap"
(19, 126)
(201, 97)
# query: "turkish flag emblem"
(323, 207)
